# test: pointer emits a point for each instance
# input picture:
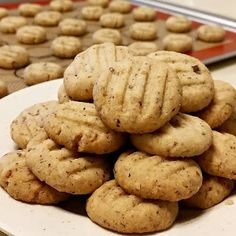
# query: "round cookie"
(120, 6)
(61, 5)
(13, 57)
(42, 71)
(29, 123)
(142, 48)
(152, 87)
(211, 33)
(183, 136)
(143, 31)
(72, 27)
(107, 36)
(160, 178)
(213, 191)
(112, 208)
(178, 24)
(48, 18)
(31, 34)
(29, 9)
(62, 95)
(221, 107)
(21, 184)
(220, 158)
(112, 20)
(144, 14)
(10, 24)
(92, 12)
(195, 78)
(3, 12)
(80, 75)
(67, 171)
(66, 46)
(77, 126)
(102, 3)
(3, 89)
(178, 43)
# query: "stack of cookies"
(165, 123)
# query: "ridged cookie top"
(77, 126)
(81, 74)
(137, 95)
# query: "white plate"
(17, 218)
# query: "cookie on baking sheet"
(48, 18)
(178, 24)
(62, 95)
(102, 3)
(65, 170)
(120, 6)
(112, 208)
(107, 36)
(80, 75)
(220, 158)
(61, 5)
(66, 46)
(77, 126)
(112, 20)
(29, 9)
(137, 95)
(21, 184)
(222, 105)
(211, 33)
(144, 14)
(29, 123)
(13, 57)
(178, 43)
(3, 89)
(10, 24)
(142, 48)
(31, 34)
(213, 191)
(195, 78)
(73, 27)
(159, 178)
(3, 12)
(92, 12)
(183, 136)
(143, 31)
(42, 71)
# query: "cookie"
(195, 78)
(91, 12)
(211, 33)
(42, 71)
(102, 3)
(152, 87)
(178, 43)
(120, 6)
(29, 9)
(183, 136)
(112, 20)
(77, 126)
(144, 14)
(72, 27)
(220, 158)
(67, 171)
(3, 12)
(29, 123)
(31, 34)
(213, 191)
(61, 5)
(222, 105)
(66, 46)
(3, 89)
(160, 178)
(143, 31)
(107, 36)
(10, 24)
(80, 75)
(112, 208)
(178, 24)
(62, 95)
(48, 18)
(142, 48)
(13, 57)
(21, 184)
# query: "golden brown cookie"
(211, 33)
(178, 24)
(62, 95)
(3, 12)
(120, 6)
(10, 24)
(102, 3)
(21, 184)
(48, 18)
(107, 36)
(61, 5)
(137, 95)
(73, 27)
(143, 31)
(29, 9)
(92, 12)
(142, 48)
(3, 89)
(112, 20)
(144, 14)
